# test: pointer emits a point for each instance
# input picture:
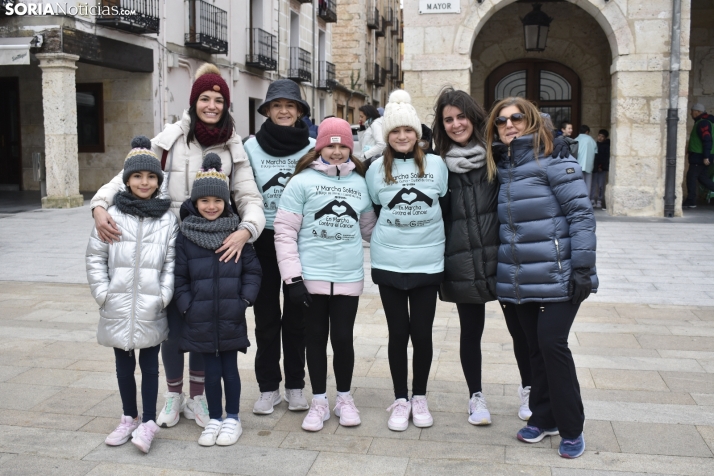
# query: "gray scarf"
(206, 233)
(131, 205)
(464, 159)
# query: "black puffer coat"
(471, 255)
(211, 295)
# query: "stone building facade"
(613, 57)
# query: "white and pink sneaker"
(122, 433)
(319, 412)
(420, 412)
(347, 411)
(399, 419)
(144, 435)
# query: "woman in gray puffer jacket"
(546, 262)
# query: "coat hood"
(344, 168)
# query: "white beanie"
(400, 112)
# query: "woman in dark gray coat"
(471, 225)
(546, 262)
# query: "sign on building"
(439, 6)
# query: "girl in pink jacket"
(324, 213)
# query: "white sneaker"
(266, 402)
(421, 416)
(210, 433)
(319, 412)
(122, 433)
(197, 409)
(478, 412)
(296, 400)
(174, 405)
(399, 419)
(524, 412)
(598, 204)
(347, 411)
(230, 432)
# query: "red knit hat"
(208, 78)
(334, 131)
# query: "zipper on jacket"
(188, 192)
(137, 262)
(557, 250)
(338, 172)
(513, 228)
(332, 289)
(215, 302)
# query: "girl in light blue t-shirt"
(324, 212)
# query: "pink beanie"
(334, 131)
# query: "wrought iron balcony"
(400, 35)
(396, 75)
(304, 1)
(389, 16)
(380, 31)
(300, 62)
(376, 75)
(327, 10)
(138, 16)
(262, 52)
(207, 28)
(388, 65)
(373, 19)
(326, 76)
(395, 25)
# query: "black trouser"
(333, 316)
(222, 366)
(171, 355)
(555, 393)
(472, 318)
(409, 314)
(697, 173)
(269, 322)
(149, 365)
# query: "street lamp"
(535, 28)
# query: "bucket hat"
(283, 89)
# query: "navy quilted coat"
(210, 295)
(547, 225)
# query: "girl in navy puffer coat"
(213, 296)
(546, 262)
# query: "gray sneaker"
(296, 400)
(266, 402)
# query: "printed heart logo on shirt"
(339, 209)
(409, 197)
(283, 180)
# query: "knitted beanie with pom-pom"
(141, 158)
(208, 78)
(210, 180)
(400, 112)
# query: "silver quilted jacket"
(133, 280)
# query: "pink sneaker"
(319, 412)
(144, 434)
(347, 411)
(122, 433)
(420, 412)
(399, 420)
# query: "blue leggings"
(224, 365)
(149, 364)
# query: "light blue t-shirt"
(329, 241)
(587, 148)
(409, 236)
(271, 174)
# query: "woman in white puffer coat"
(372, 142)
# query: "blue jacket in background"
(310, 126)
(547, 225)
(210, 294)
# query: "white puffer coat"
(182, 164)
(133, 280)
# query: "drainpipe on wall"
(314, 58)
(672, 112)
(164, 52)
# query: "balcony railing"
(389, 65)
(400, 35)
(304, 1)
(262, 53)
(389, 16)
(327, 10)
(143, 19)
(300, 61)
(395, 25)
(376, 75)
(373, 19)
(380, 31)
(396, 75)
(207, 27)
(326, 76)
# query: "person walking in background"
(373, 138)
(324, 214)
(407, 253)
(546, 262)
(133, 283)
(700, 152)
(600, 169)
(587, 148)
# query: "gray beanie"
(699, 107)
(141, 158)
(210, 180)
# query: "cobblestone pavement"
(644, 348)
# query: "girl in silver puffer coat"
(133, 282)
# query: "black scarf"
(131, 205)
(206, 233)
(281, 141)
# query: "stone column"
(59, 107)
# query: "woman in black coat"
(472, 241)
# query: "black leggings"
(222, 366)
(333, 315)
(149, 365)
(171, 356)
(472, 318)
(409, 314)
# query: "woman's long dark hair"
(225, 123)
(471, 109)
(311, 155)
(370, 111)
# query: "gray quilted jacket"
(133, 280)
(547, 225)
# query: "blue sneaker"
(572, 448)
(533, 434)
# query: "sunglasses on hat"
(516, 118)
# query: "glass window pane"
(87, 119)
(512, 85)
(558, 114)
(554, 87)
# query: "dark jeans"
(409, 314)
(270, 323)
(171, 356)
(149, 365)
(333, 316)
(555, 393)
(472, 318)
(697, 173)
(225, 366)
